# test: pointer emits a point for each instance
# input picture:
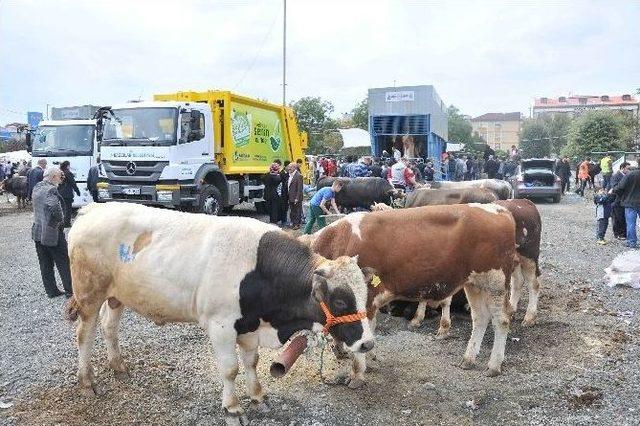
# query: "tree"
(13, 145)
(313, 115)
(459, 127)
(535, 141)
(595, 131)
(360, 115)
(557, 129)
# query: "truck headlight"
(165, 196)
(103, 194)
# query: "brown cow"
(429, 253)
(435, 197)
(528, 231)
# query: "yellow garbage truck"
(197, 151)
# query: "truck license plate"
(131, 191)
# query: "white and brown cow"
(244, 281)
(429, 253)
(501, 188)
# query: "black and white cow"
(244, 281)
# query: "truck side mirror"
(195, 120)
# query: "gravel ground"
(578, 365)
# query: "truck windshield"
(67, 140)
(141, 126)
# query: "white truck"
(72, 140)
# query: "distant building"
(578, 104)
(500, 130)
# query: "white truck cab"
(68, 140)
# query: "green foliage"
(535, 141)
(360, 115)
(596, 131)
(459, 127)
(313, 115)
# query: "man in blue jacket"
(35, 176)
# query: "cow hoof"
(415, 324)
(260, 406)
(89, 391)
(467, 365)
(492, 372)
(528, 321)
(235, 419)
(442, 334)
(355, 383)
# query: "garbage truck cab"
(196, 151)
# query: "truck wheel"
(261, 207)
(556, 198)
(210, 200)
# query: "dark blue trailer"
(413, 119)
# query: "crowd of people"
(283, 193)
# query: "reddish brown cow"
(429, 253)
(528, 231)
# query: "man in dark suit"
(92, 180)
(47, 232)
(35, 176)
(294, 191)
(284, 194)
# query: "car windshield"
(141, 126)
(63, 140)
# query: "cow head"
(396, 193)
(342, 287)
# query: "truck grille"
(144, 171)
(146, 197)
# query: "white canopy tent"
(15, 156)
(355, 138)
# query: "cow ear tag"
(375, 282)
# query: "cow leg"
(480, 317)
(500, 318)
(359, 366)
(249, 355)
(223, 337)
(445, 319)
(533, 282)
(110, 319)
(419, 316)
(517, 280)
(86, 335)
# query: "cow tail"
(72, 309)
(538, 273)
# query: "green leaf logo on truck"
(240, 128)
(276, 140)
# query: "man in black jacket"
(617, 211)
(563, 170)
(491, 167)
(628, 192)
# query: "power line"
(253, 62)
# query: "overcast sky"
(481, 56)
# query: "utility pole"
(284, 56)
(47, 111)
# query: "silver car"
(536, 178)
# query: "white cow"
(242, 280)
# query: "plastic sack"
(624, 270)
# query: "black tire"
(210, 200)
(261, 207)
(556, 198)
